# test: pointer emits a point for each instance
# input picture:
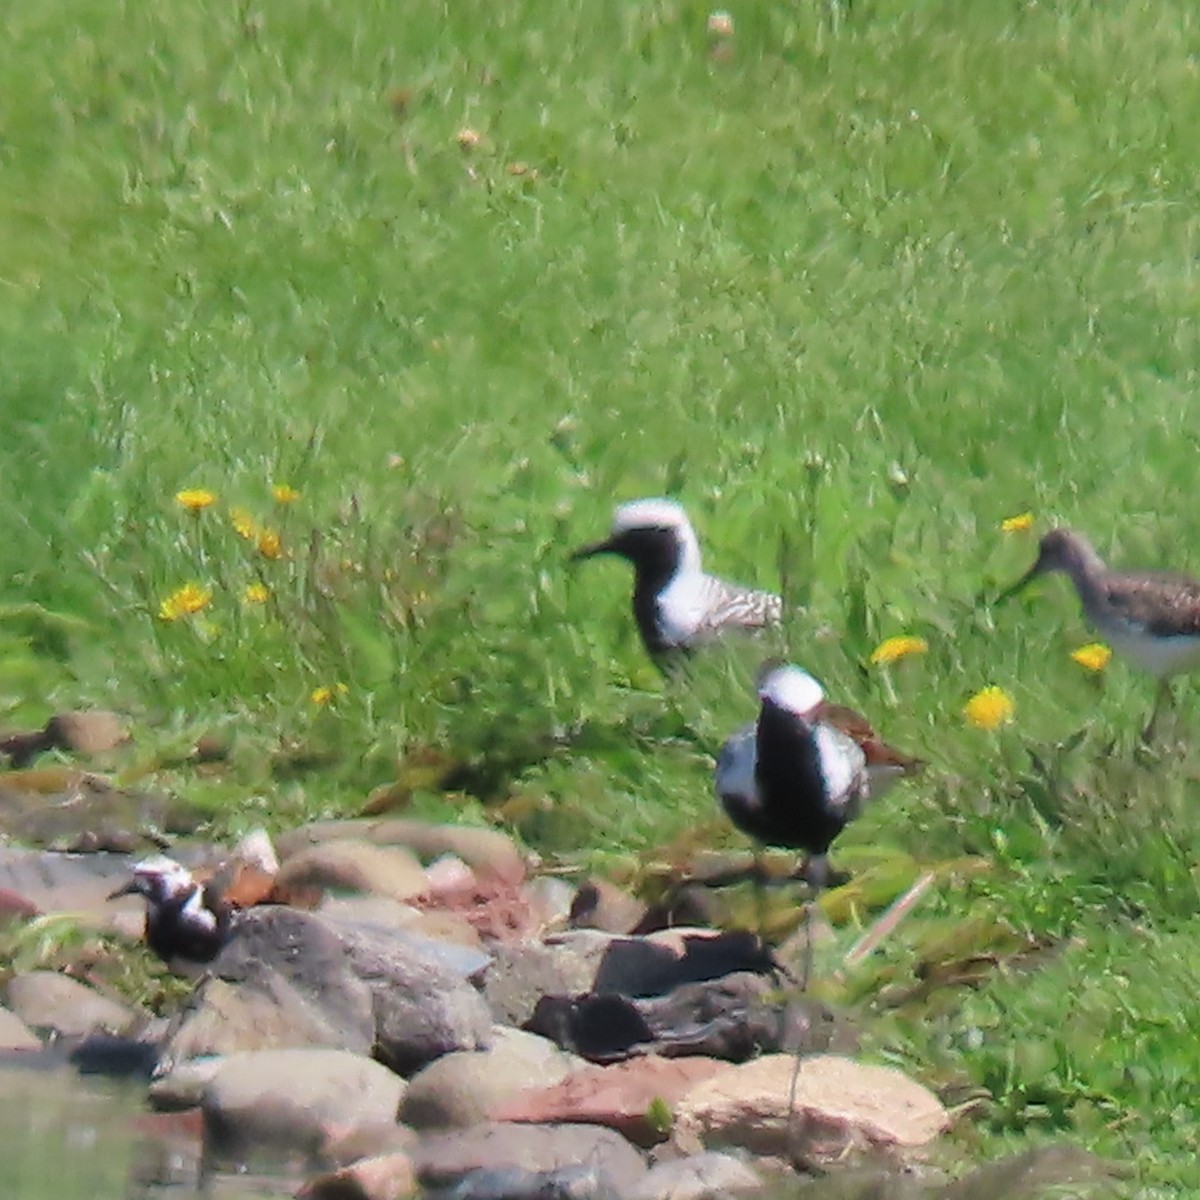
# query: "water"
(64, 1136)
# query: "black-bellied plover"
(796, 776)
(1150, 617)
(677, 605)
(185, 920)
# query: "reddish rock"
(619, 1096)
(189, 1123)
(14, 907)
(87, 732)
(496, 910)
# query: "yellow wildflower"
(270, 544)
(990, 708)
(1021, 523)
(243, 523)
(893, 649)
(184, 601)
(195, 499)
(256, 593)
(285, 494)
(1094, 656)
(326, 694)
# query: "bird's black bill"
(604, 547)
(1021, 584)
(128, 889)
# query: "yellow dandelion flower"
(184, 601)
(1021, 523)
(270, 544)
(893, 649)
(1094, 656)
(990, 708)
(327, 693)
(256, 593)
(243, 523)
(285, 494)
(195, 499)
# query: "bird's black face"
(1054, 553)
(653, 550)
(158, 886)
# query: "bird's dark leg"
(817, 871)
(1162, 696)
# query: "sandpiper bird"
(185, 920)
(676, 605)
(796, 776)
(1151, 617)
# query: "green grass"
(854, 293)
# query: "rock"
(15, 1034)
(386, 1177)
(47, 1000)
(87, 733)
(284, 979)
(586, 960)
(842, 1105)
(1047, 1170)
(463, 1088)
(550, 900)
(48, 882)
(183, 1086)
(344, 1145)
(486, 851)
(385, 914)
(286, 1100)
(443, 1158)
(350, 865)
(118, 1057)
(256, 850)
(599, 904)
(705, 1176)
(422, 1008)
(619, 1096)
(449, 874)
(583, 1182)
(733, 1018)
(14, 907)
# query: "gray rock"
(599, 904)
(422, 1009)
(281, 1101)
(581, 1182)
(443, 1159)
(704, 1176)
(369, 940)
(464, 1087)
(183, 1086)
(381, 1177)
(15, 1034)
(47, 1000)
(283, 980)
(1045, 1171)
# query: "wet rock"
(733, 1018)
(841, 1106)
(87, 733)
(442, 1159)
(486, 851)
(117, 1057)
(599, 904)
(15, 1034)
(1046, 1171)
(621, 1096)
(386, 1177)
(581, 1182)
(589, 961)
(282, 1101)
(68, 1008)
(697, 1177)
(350, 865)
(423, 1007)
(464, 1087)
(284, 979)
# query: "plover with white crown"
(1150, 617)
(185, 920)
(802, 771)
(677, 605)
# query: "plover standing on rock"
(185, 920)
(1151, 617)
(677, 605)
(800, 773)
